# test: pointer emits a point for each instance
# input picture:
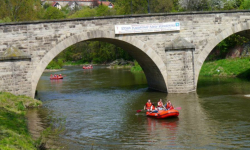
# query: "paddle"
(178, 108)
(140, 110)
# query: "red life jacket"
(160, 104)
(153, 107)
(169, 107)
(148, 105)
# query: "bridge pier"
(15, 72)
(180, 66)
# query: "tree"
(194, 5)
(124, 7)
(53, 13)
(95, 3)
(245, 4)
(160, 6)
(19, 10)
(84, 12)
(103, 10)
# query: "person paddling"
(153, 109)
(148, 105)
(169, 106)
(160, 105)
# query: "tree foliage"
(19, 10)
(245, 4)
(53, 13)
(159, 6)
(84, 12)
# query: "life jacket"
(152, 107)
(148, 105)
(160, 104)
(169, 107)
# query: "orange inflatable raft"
(56, 78)
(161, 114)
(89, 67)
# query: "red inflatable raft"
(163, 114)
(87, 67)
(56, 78)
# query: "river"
(99, 108)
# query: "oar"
(178, 108)
(140, 110)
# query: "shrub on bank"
(136, 67)
(55, 64)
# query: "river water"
(99, 108)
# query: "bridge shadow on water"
(221, 86)
(245, 75)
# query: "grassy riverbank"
(237, 67)
(13, 126)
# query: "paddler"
(148, 105)
(160, 105)
(153, 109)
(169, 106)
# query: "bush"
(55, 64)
(136, 67)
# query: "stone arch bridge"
(171, 60)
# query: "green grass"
(17, 104)
(14, 134)
(237, 67)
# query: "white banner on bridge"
(142, 28)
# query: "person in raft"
(169, 106)
(148, 105)
(153, 109)
(160, 105)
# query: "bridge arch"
(151, 63)
(215, 40)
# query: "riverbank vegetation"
(13, 127)
(234, 67)
(230, 58)
(136, 67)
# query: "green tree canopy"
(160, 6)
(103, 10)
(124, 7)
(84, 12)
(53, 13)
(245, 4)
(19, 10)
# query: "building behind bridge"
(73, 3)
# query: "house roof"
(54, 4)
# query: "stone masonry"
(169, 67)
